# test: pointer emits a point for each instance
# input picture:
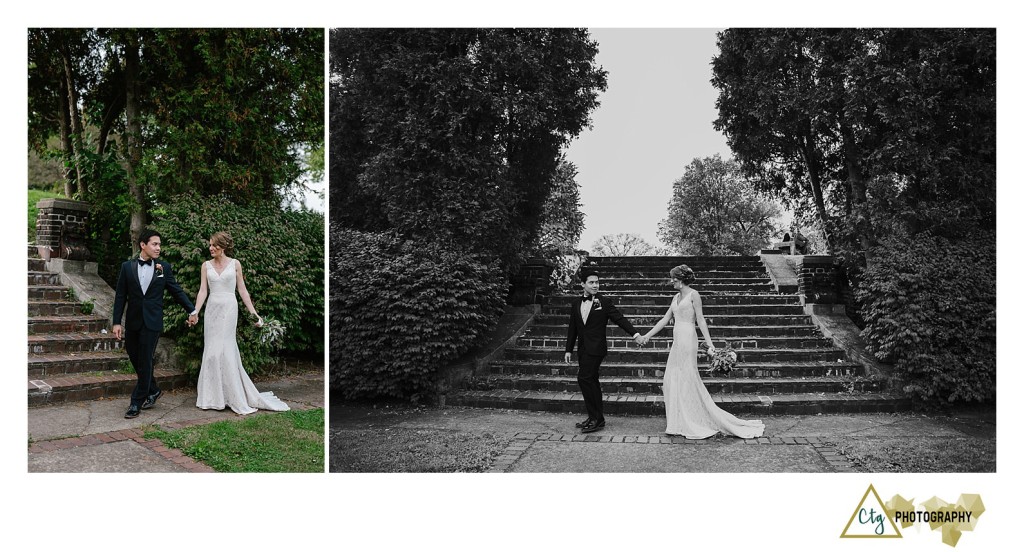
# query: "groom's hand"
(568, 357)
(193, 319)
(118, 331)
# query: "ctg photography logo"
(873, 519)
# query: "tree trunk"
(857, 183)
(74, 116)
(133, 136)
(70, 183)
(115, 104)
(810, 156)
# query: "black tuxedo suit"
(145, 318)
(592, 338)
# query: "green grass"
(33, 197)
(280, 442)
(413, 450)
(921, 454)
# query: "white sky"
(655, 117)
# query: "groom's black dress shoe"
(583, 423)
(593, 426)
(133, 411)
(151, 400)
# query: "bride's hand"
(259, 321)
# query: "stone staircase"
(785, 364)
(73, 356)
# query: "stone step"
(89, 386)
(658, 343)
(649, 320)
(708, 310)
(72, 343)
(58, 307)
(36, 265)
(660, 356)
(40, 366)
(690, 261)
(740, 404)
(664, 299)
(715, 385)
(36, 278)
(754, 286)
(793, 369)
(725, 332)
(751, 271)
(47, 293)
(663, 283)
(67, 324)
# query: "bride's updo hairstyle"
(683, 273)
(223, 240)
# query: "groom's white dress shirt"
(145, 275)
(585, 307)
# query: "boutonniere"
(597, 304)
(159, 268)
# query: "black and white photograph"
(662, 250)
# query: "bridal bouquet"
(722, 361)
(272, 332)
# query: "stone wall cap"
(818, 259)
(62, 203)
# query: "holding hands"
(641, 340)
(193, 319)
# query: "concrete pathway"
(94, 436)
(545, 442)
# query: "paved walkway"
(94, 436)
(545, 442)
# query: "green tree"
(623, 244)
(453, 136)
(715, 210)
(848, 107)
(218, 111)
(561, 224)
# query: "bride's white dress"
(689, 409)
(222, 380)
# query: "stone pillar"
(61, 229)
(532, 285)
(817, 279)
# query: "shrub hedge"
(929, 305)
(401, 310)
(281, 252)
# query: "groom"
(588, 322)
(141, 283)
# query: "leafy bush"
(929, 304)
(401, 310)
(110, 213)
(282, 260)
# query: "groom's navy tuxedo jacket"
(146, 310)
(592, 336)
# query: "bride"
(222, 379)
(689, 409)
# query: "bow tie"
(142, 263)
(589, 297)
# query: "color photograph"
(176, 224)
